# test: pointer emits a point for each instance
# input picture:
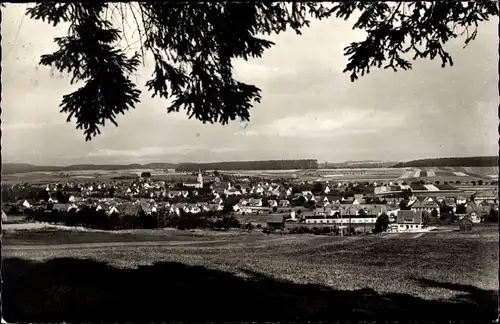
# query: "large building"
(198, 184)
(409, 220)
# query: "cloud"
(223, 149)
(145, 151)
(317, 124)
(251, 132)
(19, 126)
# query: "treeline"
(250, 165)
(10, 168)
(475, 161)
(98, 219)
(360, 165)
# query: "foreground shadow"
(84, 290)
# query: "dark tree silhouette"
(193, 45)
(381, 223)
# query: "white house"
(284, 203)
(113, 210)
(409, 220)
(273, 203)
(255, 202)
(327, 190)
(53, 200)
(26, 204)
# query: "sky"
(309, 108)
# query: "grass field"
(252, 276)
(97, 175)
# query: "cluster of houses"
(259, 198)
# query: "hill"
(473, 161)
(358, 164)
(10, 168)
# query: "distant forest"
(487, 161)
(250, 165)
(10, 168)
(475, 161)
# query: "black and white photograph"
(249, 161)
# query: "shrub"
(267, 230)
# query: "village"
(253, 202)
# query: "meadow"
(234, 276)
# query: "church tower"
(200, 179)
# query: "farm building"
(485, 196)
(409, 220)
(427, 206)
(276, 222)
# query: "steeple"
(200, 178)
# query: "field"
(384, 175)
(96, 175)
(173, 275)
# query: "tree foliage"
(194, 44)
(381, 223)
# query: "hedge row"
(100, 220)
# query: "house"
(175, 209)
(242, 209)
(327, 190)
(174, 193)
(61, 207)
(218, 200)
(232, 192)
(428, 206)
(358, 199)
(255, 202)
(308, 195)
(192, 208)
(334, 199)
(340, 218)
(221, 186)
(272, 203)
(53, 200)
(147, 208)
(409, 220)
(215, 207)
(26, 204)
(284, 203)
(130, 209)
(276, 222)
(203, 206)
(348, 200)
(198, 184)
(486, 196)
(113, 210)
(245, 188)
